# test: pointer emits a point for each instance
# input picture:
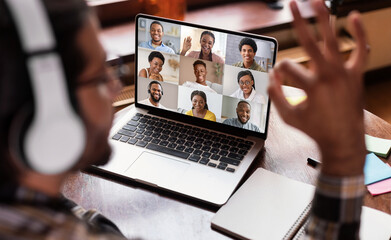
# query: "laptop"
(197, 124)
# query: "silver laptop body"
(145, 156)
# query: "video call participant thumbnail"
(207, 42)
(156, 43)
(156, 62)
(243, 112)
(200, 76)
(246, 88)
(248, 48)
(200, 106)
(155, 91)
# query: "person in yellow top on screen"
(207, 41)
(246, 88)
(248, 48)
(200, 106)
(156, 61)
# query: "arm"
(333, 116)
(143, 73)
(186, 46)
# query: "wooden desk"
(142, 212)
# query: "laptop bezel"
(216, 126)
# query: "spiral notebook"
(267, 206)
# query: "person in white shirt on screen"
(246, 88)
(156, 62)
(200, 75)
(155, 91)
(243, 111)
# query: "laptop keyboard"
(205, 147)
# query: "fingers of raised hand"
(287, 112)
(359, 56)
(294, 73)
(331, 45)
(305, 38)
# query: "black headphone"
(53, 141)
(154, 82)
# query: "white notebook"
(271, 206)
(267, 206)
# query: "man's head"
(156, 30)
(90, 87)
(155, 91)
(248, 48)
(200, 72)
(243, 110)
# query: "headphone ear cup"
(17, 133)
(149, 91)
(162, 92)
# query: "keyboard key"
(189, 150)
(148, 133)
(221, 167)
(117, 136)
(136, 118)
(225, 147)
(194, 158)
(197, 146)
(223, 153)
(233, 143)
(156, 135)
(141, 143)
(140, 131)
(166, 150)
(230, 170)
(139, 137)
(242, 152)
(143, 120)
(132, 141)
(127, 133)
(249, 142)
(216, 145)
(235, 156)
(180, 141)
(215, 157)
(147, 138)
(172, 145)
(234, 149)
(198, 152)
(156, 141)
(133, 123)
(204, 161)
(224, 141)
(139, 114)
(206, 154)
(124, 139)
(147, 116)
(214, 150)
(205, 148)
(223, 164)
(129, 128)
(150, 128)
(212, 164)
(230, 161)
(180, 148)
(244, 146)
(188, 144)
(163, 143)
(164, 137)
(172, 139)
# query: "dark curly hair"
(156, 54)
(250, 42)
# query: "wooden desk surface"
(142, 212)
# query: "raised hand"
(186, 45)
(333, 111)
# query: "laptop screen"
(204, 75)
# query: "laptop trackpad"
(156, 169)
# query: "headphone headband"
(55, 139)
